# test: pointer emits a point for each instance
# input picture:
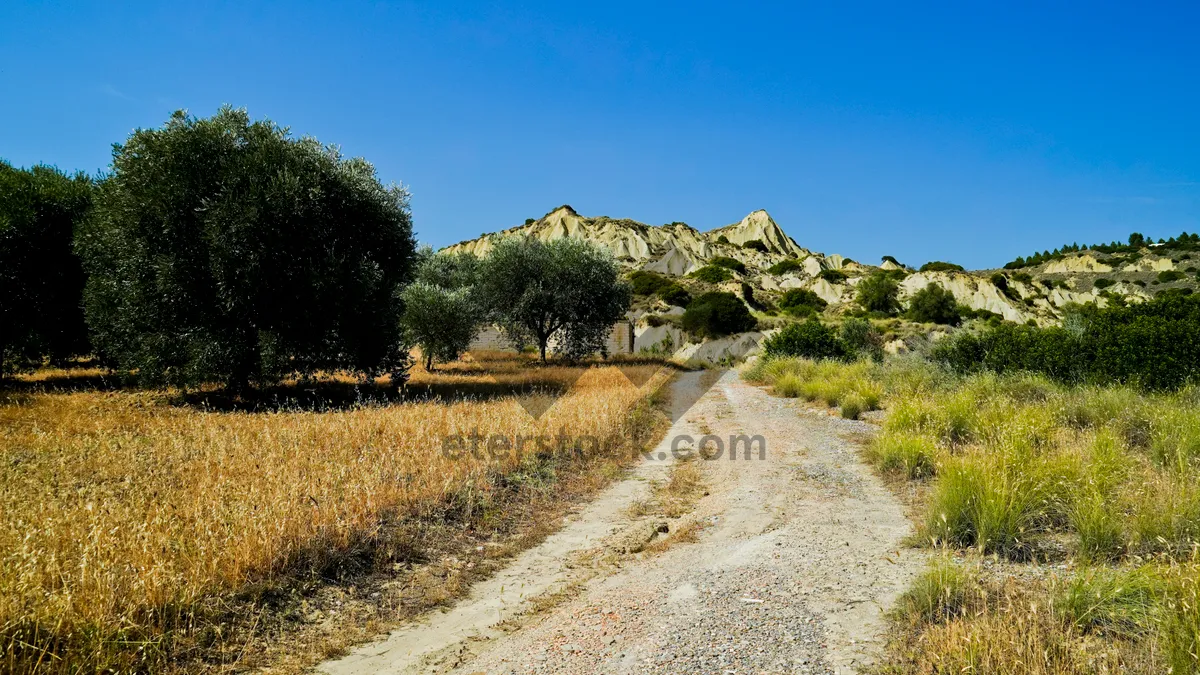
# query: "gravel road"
(799, 555)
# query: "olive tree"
(442, 313)
(224, 250)
(41, 281)
(565, 289)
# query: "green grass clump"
(944, 591)
(1118, 602)
(909, 455)
(992, 500)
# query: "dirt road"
(798, 556)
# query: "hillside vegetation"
(1064, 511)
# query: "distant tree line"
(223, 250)
(1137, 241)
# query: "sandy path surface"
(798, 557)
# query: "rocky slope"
(1035, 293)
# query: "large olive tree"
(41, 281)
(564, 289)
(224, 250)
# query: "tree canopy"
(718, 313)
(879, 293)
(41, 281)
(442, 312)
(224, 250)
(933, 304)
(565, 289)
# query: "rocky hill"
(774, 263)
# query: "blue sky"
(973, 134)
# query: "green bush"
(801, 302)
(1155, 344)
(1167, 276)
(675, 295)
(728, 263)
(647, 283)
(810, 339)
(712, 274)
(1103, 283)
(751, 299)
(933, 304)
(755, 245)
(833, 276)
(939, 266)
(668, 290)
(860, 338)
(717, 313)
(785, 266)
(879, 293)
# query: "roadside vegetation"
(1064, 510)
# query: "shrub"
(933, 304)
(785, 266)
(861, 339)
(728, 263)
(755, 245)
(1023, 277)
(712, 274)
(1155, 344)
(647, 283)
(668, 290)
(722, 239)
(717, 313)
(801, 302)
(879, 293)
(1103, 283)
(1167, 276)
(751, 299)
(833, 276)
(939, 266)
(675, 295)
(810, 339)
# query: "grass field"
(129, 520)
(1066, 519)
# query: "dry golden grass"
(122, 511)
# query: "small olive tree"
(442, 312)
(565, 289)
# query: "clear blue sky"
(939, 132)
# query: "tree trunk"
(429, 362)
(542, 346)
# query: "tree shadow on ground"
(327, 396)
